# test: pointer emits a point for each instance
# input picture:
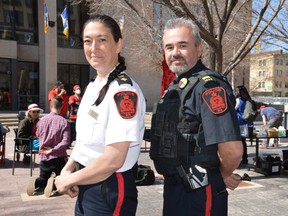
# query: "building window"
(262, 73)
(279, 72)
(277, 94)
(71, 75)
(262, 84)
(277, 61)
(28, 84)
(286, 84)
(276, 84)
(286, 94)
(19, 21)
(5, 84)
(262, 62)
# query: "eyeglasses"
(36, 111)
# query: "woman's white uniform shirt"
(98, 126)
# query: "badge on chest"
(93, 114)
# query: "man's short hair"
(57, 102)
(179, 22)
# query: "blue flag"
(64, 16)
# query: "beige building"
(269, 74)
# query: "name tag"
(93, 114)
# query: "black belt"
(176, 179)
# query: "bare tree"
(277, 30)
(221, 23)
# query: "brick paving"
(263, 196)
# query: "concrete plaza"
(263, 196)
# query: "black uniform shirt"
(213, 103)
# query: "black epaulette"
(124, 79)
(210, 79)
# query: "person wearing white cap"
(27, 126)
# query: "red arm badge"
(215, 99)
(126, 103)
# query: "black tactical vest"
(175, 137)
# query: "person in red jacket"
(58, 90)
(74, 102)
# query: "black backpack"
(250, 111)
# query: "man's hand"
(63, 91)
(46, 151)
(232, 181)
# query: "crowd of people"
(197, 151)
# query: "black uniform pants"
(211, 200)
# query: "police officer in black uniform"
(195, 137)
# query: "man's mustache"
(174, 58)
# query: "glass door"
(5, 84)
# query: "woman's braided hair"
(119, 68)
(110, 23)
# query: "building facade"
(269, 74)
(31, 61)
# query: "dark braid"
(112, 76)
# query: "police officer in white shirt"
(110, 128)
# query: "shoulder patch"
(126, 103)
(215, 99)
(124, 79)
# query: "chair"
(23, 145)
(2, 147)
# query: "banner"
(64, 16)
(167, 76)
(46, 18)
(121, 23)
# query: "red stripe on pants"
(120, 199)
(208, 200)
